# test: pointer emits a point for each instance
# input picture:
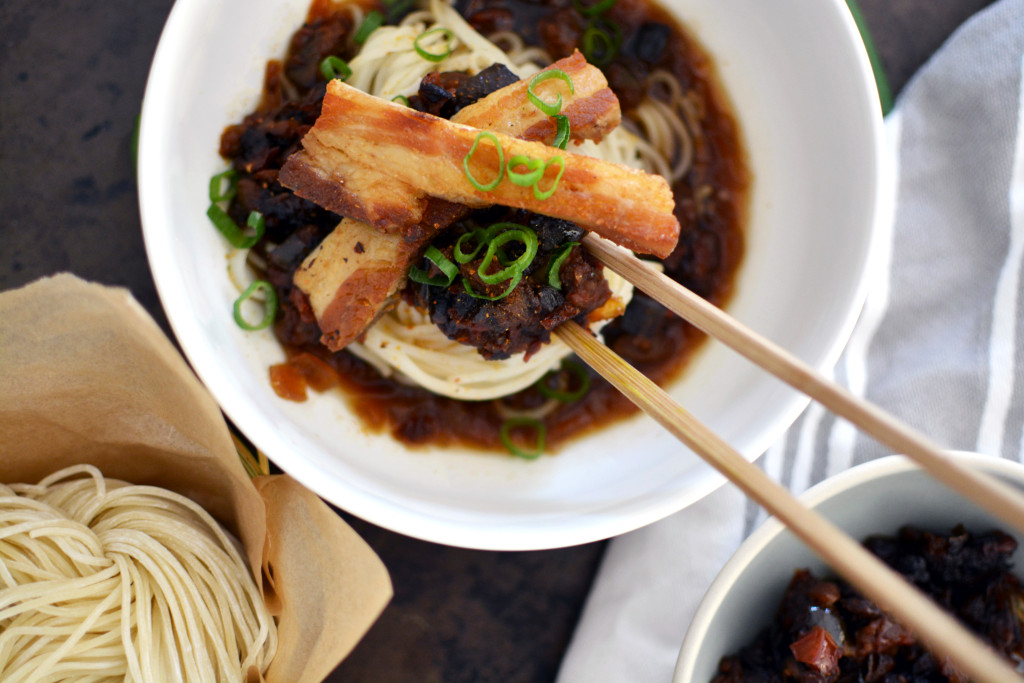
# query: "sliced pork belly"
(592, 109)
(367, 191)
(350, 277)
(358, 135)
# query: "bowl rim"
(574, 530)
(771, 529)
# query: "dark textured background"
(72, 75)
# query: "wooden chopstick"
(987, 491)
(939, 631)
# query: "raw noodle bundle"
(101, 580)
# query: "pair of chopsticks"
(938, 630)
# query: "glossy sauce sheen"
(710, 205)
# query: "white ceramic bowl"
(877, 497)
(803, 91)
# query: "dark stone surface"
(466, 616)
(72, 76)
(907, 32)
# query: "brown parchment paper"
(86, 376)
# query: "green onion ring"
(599, 7)
(505, 433)
(269, 306)
(435, 56)
(434, 255)
(548, 108)
(217, 181)
(556, 264)
(481, 235)
(371, 23)
(258, 223)
(613, 30)
(135, 141)
(230, 230)
(335, 67)
(522, 234)
(572, 368)
(531, 177)
(508, 290)
(542, 195)
(460, 255)
(495, 235)
(401, 99)
(561, 131)
(599, 48)
(501, 162)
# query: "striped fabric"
(940, 344)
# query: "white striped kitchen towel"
(940, 344)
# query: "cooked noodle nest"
(101, 580)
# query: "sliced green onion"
(599, 7)
(561, 131)
(494, 238)
(371, 23)
(508, 290)
(501, 162)
(269, 305)
(505, 433)
(526, 236)
(567, 395)
(258, 223)
(537, 192)
(135, 141)
(335, 67)
(401, 99)
(501, 227)
(610, 27)
(531, 177)
(435, 56)
(481, 235)
(556, 264)
(449, 269)
(217, 182)
(232, 233)
(599, 48)
(549, 108)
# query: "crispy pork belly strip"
(366, 192)
(592, 109)
(424, 154)
(349, 277)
